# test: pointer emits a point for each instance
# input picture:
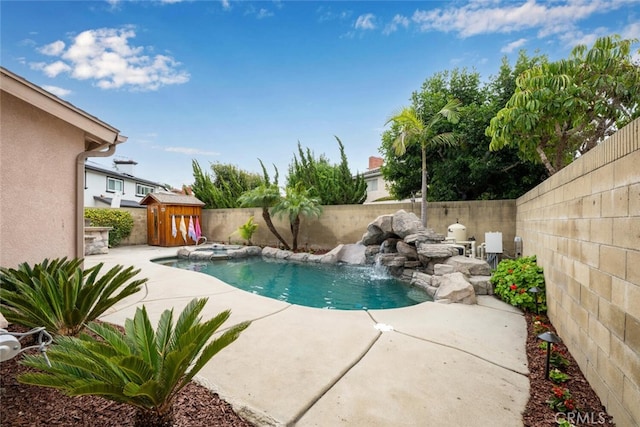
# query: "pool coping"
(299, 365)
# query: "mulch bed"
(538, 413)
(24, 405)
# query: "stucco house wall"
(37, 177)
(376, 185)
(43, 143)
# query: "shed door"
(153, 227)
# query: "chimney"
(125, 166)
(375, 162)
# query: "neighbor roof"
(123, 203)
(118, 174)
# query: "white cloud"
(264, 13)
(52, 49)
(397, 21)
(513, 46)
(189, 151)
(226, 4)
(105, 56)
(491, 17)
(631, 31)
(58, 91)
(365, 22)
(51, 70)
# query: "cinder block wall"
(347, 223)
(138, 234)
(583, 224)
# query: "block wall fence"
(347, 223)
(583, 224)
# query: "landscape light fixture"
(550, 338)
(535, 291)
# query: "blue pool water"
(342, 287)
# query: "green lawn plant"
(62, 296)
(120, 221)
(141, 367)
(512, 280)
(557, 376)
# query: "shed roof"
(171, 199)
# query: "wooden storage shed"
(173, 219)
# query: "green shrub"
(557, 376)
(142, 368)
(60, 295)
(512, 280)
(247, 229)
(121, 221)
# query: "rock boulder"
(455, 288)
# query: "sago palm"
(60, 295)
(413, 130)
(142, 367)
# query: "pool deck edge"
(304, 366)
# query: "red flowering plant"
(540, 324)
(512, 280)
(561, 399)
(558, 357)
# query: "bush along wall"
(513, 280)
(121, 221)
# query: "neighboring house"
(102, 185)
(44, 142)
(376, 185)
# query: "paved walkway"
(439, 365)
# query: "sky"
(236, 82)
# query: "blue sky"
(237, 81)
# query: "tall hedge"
(121, 221)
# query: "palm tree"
(413, 130)
(296, 202)
(141, 367)
(264, 196)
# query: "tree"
(468, 170)
(565, 108)
(412, 129)
(296, 202)
(222, 188)
(141, 367)
(265, 196)
(332, 184)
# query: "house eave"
(97, 132)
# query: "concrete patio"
(437, 365)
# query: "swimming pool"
(341, 287)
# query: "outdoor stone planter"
(96, 240)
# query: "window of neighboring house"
(115, 185)
(143, 190)
(372, 185)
